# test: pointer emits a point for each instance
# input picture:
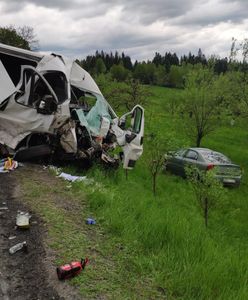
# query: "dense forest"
(163, 70)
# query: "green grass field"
(158, 247)
(170, 244)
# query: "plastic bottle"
(18, 247)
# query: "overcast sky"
(77, 28)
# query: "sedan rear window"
(215, 157)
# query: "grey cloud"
(81, 7)
(243, 3)
(155, 8)
(187, 12)
(143, 11)
(15, 5)
(213, 13)
(150, 11)
(131, 40)
(208, 20)
(183, 12)
(121, 40)
(147, 11)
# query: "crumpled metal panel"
(7, 87)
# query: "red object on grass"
(70, 270)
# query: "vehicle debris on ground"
(51, 107)
(22, 220)
(20, 246)
(72, 178)
(70, 270)
(7, 164)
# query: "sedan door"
(191, 158)
(175, 164)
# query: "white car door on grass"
(133, 147)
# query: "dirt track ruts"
(23, 276)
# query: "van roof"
(22, 53)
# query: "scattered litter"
(90, 221)
(20, 246)
(68, 177)
(72, 178)
(3, 207)
(34, 222)
(12, 237)
(7, 164)
(72, 269)
(3, 203)
(22, 220)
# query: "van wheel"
(32, 153)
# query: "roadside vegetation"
(154, 247)
(166, 234)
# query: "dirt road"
(23, 275)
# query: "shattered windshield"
(92, 118)
(95, 115)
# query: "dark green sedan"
(205, 159)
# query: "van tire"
(32, 153)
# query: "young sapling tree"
(207, 189)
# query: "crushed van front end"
(51, 107)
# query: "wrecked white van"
(50, 106)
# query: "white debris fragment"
(72, 178)
(22, 219)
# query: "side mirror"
(47, 105)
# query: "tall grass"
(165, 235)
